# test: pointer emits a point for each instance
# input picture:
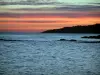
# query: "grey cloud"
(62, 7)
(59, 6)
(79, 7)
(31, 2)
(70, 15)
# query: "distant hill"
(77, 29)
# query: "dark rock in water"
(14, 40)
(89, 41)
(67, 40)
(92, 37)
(79, 41)
(8, 40)
(72, 40)
(1, 39)
(62, 40)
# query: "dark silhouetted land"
(77, 29)
(92, 37)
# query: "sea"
(45, 54)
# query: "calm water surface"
(42, 54)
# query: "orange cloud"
(41, 23)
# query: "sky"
(40, 15)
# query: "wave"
(79, 41)
(14, 40)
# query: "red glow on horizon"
(38, 24)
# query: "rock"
(92, 37)
(72, 40)
(1, 39)
(67, 40)
(62, 40)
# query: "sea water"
(43, 54)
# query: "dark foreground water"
(42, 54)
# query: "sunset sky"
(40, 15)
